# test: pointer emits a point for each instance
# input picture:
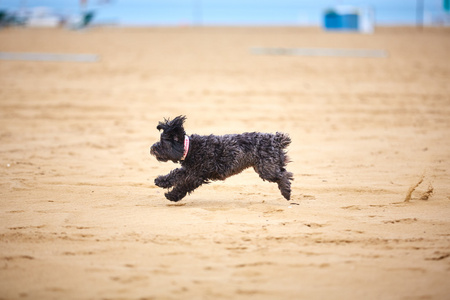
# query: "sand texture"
(80, 216)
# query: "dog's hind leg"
(284, 184)
(273, 173)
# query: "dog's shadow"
(176, 204)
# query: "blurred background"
(218, 12)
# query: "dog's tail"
(283, 139)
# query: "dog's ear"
(177, 122)
(173, 128)
(176, 129)
(160, 126)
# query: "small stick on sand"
(412, 188)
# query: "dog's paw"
(162, 182)
(172, 197)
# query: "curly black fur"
(219, 157)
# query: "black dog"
(212, 157)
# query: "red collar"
(186, 147)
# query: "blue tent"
(342, 18)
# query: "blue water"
(231, 12)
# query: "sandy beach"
(81, 218)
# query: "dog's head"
(171, 145)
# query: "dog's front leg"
(180, 190)
(176, 194)
(171, 179)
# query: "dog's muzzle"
(156, 153)
(153, 150)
